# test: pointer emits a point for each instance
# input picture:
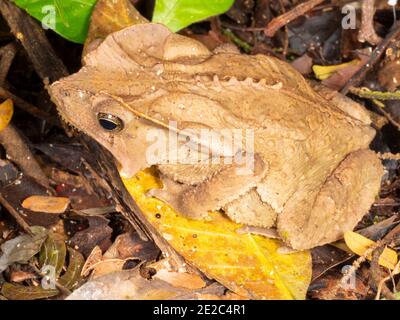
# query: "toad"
(311, 174)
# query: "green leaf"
(19, 292)
(53, 253)
(178, 14)
(71, 17)
(73, 273)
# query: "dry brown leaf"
(104, 267)
(181, 279)
(129, 245)
(56, 205)
(127, 285)
(94, 257)
(98, 266)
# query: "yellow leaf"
(324, 72)
(6, 113)
(249, 265)
(359, 244)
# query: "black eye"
(110, 122)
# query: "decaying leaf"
(129, 245)
(181, 279)
(72, 276)
(108, 17)
(19, 292)
(126, 285)
(56, 205)
(104, 267)
(249, 265)
(22, 248)
(360, 244)
(98, 233)
(53, 253)
(6, 113)
(126, 247)
(94, 257)
(184, 278)
(97, 265)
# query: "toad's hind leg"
(322, 216)
(213, 193)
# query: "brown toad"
(313, 175)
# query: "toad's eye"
(110, 122)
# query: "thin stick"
(375, 56)
(377, 275)
(367, 31)
(387, 115)
(289, 16)
(33, 39)
(28, 107)
(7, 53)
(16, 215)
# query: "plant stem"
(378, 95)
(236, 40)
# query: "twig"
(10, 138)
(381, 284)
(376, 273)
(30, 108)
(286, 41)
(367, 31)
(359, 76)
(15, 215)
(387, 115)
(354, 267)
(289, 16)
(7, 53)
(32, 38)
(19, 153)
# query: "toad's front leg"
(227, 184)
